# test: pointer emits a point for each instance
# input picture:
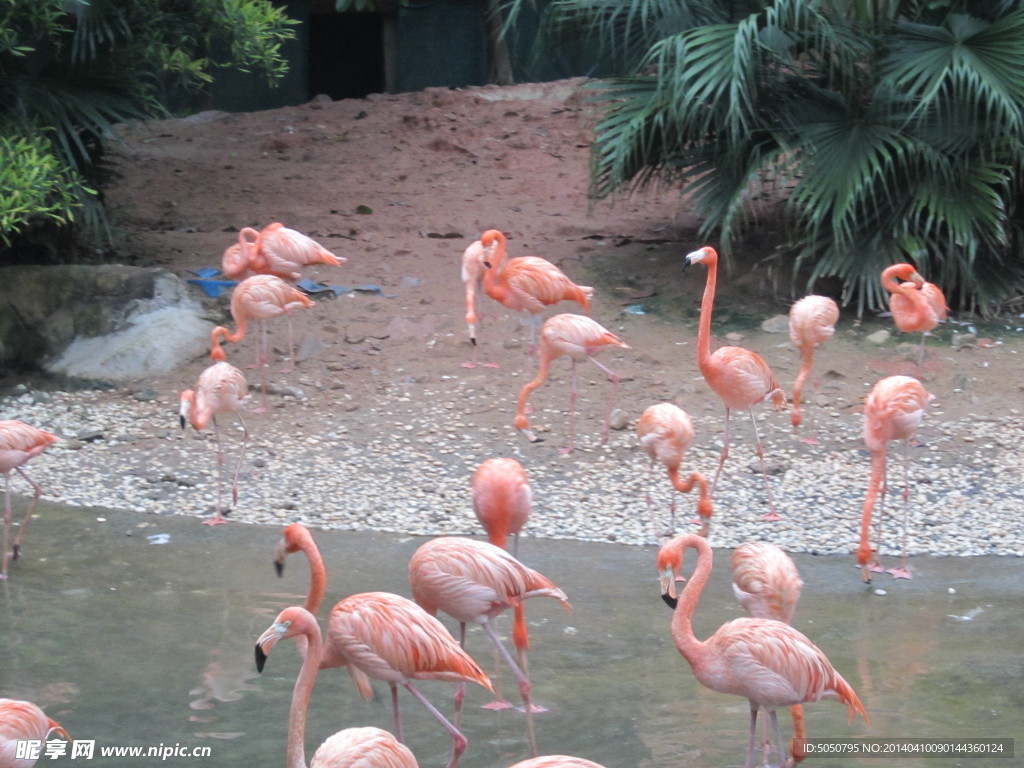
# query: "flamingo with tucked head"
(917, 306)
(812, 321)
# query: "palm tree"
(874, 132)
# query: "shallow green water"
(128, 642)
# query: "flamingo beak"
(668, 588)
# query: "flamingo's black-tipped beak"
(279, 567)
(487, 264)
(670, 601)
(184, 423)
(261, 658)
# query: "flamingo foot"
(771, 517)
(468, 364)
(497, 705)
(876, 567)
(535, 709)
(288, 370)
(215, 521)
(16, 551)
(564, 451)
(260, 409)
(810, 440)
(491, 365)
(900, 573)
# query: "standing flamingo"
(501, 500)
(767, 662)
(893, 411)
(260, 298)
(297, 538)
(812, 321)
(474, 581)
(737, 375)
(350, 748)
(666, 434)
(277, 250)
(556, 761)
(917, 306)
(391, 638)
(19, 442)
(767, 584)
(528, 283)
(221, 388)
(473, 269)
(578, 337)
(23, 721)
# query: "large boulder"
(107, 322)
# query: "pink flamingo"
(221, 388)
(767, 662)
(501, 500)
(917, 306)
(350, 748)
(474, 581)
(473, 269)
(812, 321)
(556, 761)
(767, 584)
(277, 250)
(738, 376)
(666, 434)
(23, 721)
(391, 638)
(579, 338)
(528, 283)
(19, 443)
(260, 298)
(893, 411)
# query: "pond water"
(139, 630)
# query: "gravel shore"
(403, 464)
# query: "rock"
(878, 337)
(618, 420)
(776, 324)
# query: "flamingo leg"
(37, 492)
(752, 734)
(772, 514)
(876, 566)
(614, 379)
(291, 346)
(902, 572)
(459, 740)
(778, 737)
(524, 684)
(396, 713)
(7, 524)
(241, 457)
(218, 519)
(724, 455)
(572, 411)
(261, 360)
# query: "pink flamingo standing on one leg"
(738, 376)
(666, 434)
(474, 581)
(893, 411)
(917, 306)
(19, 442)
(579, 338)
(349, 748)
(812, 321)
(767, 662)
(221, 388)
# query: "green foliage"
(873, 132)
(70, 70)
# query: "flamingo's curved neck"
(300, 697)
(317, 575)
(878, 462)
(682, 619)
(491, 286)
(707, 304)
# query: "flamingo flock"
(399, 640)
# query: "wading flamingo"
(812, 321)
(260, 298)
(19, 442)
(738, 376)
(893, 411)
(580, 338)
(276, 250)
(666, 434)
(473, 581)
(473, 269)
(767, 584)
(350, 748)
(221, 388)
(917, 306)
(556, 761)
(390, 638)
(21, 721)
(765, 661)
(527, 283)
(501, 500)
(297, 538)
